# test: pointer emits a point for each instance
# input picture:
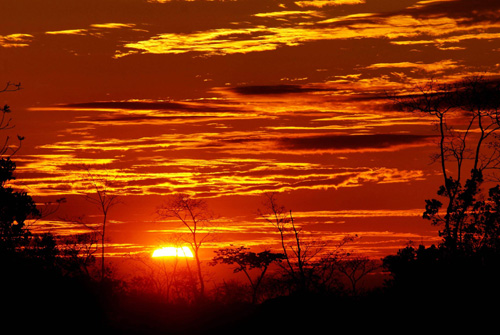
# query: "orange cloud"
(68, 32)
(15, 40)
(402, 27)
(436, 67)
(295, 13)
(413, 212)
(212, 177)
(94, 30)
(112, 25)
(325, 3)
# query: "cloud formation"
(434, 22)
(229, 99)
(325, 3)
(15, 40)
(278, 89)
(95, 29)
(353, 142)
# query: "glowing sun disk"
(173, 252)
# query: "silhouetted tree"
(301, 255)
(16, 207)
(103, 197)
(78, 253)
(327, 274)
(17, 243)
(482, 234)
(355, 268)
(5, 123)
(34, 282)
(11, 87)
(462, 270)
(467, 119)
(195, 217)
(246, 261)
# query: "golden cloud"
(261, 38)
(112, 25)
(435, 67)
(15, 40)
(286, 13)
(94, 30)
(68, 32)
(325, 3)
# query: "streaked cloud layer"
(15, 40)
(424, 23)
(230, 99)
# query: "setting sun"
(173, 252)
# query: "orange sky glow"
(227, 100)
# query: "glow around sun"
(173, 252)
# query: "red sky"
(229, 99)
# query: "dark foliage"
(456, 281)
(36, 293)
(15, 209)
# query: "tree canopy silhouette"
(462, 270)
(245, 261)
(195, 216)
(15, 209)
(467, 119)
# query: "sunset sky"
(229, 99)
